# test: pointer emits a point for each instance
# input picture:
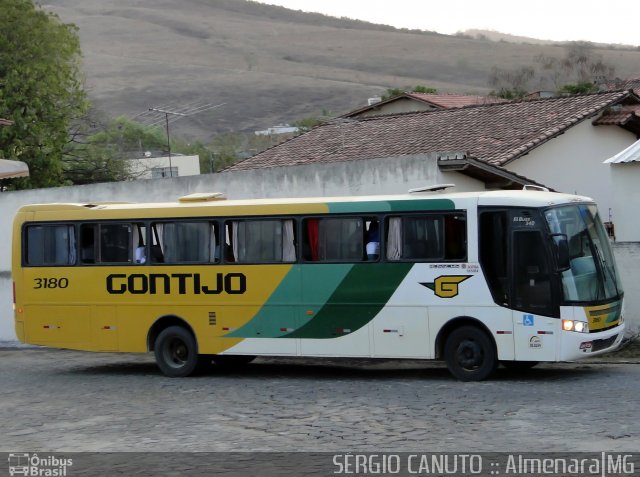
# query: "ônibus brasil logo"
(23, 463)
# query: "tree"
(40, 89)
(510, 84)
(100, 149)
(391, 92)
(575, 72)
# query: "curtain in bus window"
(72, 244)
(235, 226)
(394, 239)
(258, 241)
(186, 242)
(214, 248)
(156, 249)
(288, 242)
(341, 239)
(312, 232)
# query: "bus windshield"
(592, 275)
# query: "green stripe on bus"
(356, 301)
(390, 206)
(281, 312)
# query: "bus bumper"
(583, 345)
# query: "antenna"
(159, 114)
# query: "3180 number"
(51, 283)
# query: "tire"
(519, 365)
(231, 361)
(470, 354)
(176, 352)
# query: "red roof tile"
(495, 133)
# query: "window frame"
(418, 214)
(303, 234)
(24, 239)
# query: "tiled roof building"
(496, 133)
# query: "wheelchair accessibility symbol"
(527, 320)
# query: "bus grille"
(598, 345)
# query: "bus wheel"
(469, 353)
(231, 361)
(176, 352)
(518, 365)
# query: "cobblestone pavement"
(63, 401)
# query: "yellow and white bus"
(475, 279)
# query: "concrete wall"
(627, 256)
(573, 163)
(625, 178)
(367, 177)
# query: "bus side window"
(261, 241)
(50, 245)
(156, 254)
(88, 243)
(116, 243)
(185, 242)
(139, 239)
(431, 237)
(335, 239)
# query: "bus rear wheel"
(470, 354)
(176, 352)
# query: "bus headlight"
(577, 326)
(580, 327)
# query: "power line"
(157, 115)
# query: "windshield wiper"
(607, 269)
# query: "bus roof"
(459, 200)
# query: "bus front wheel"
(176, 352)
(470, 354)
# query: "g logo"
(446, 286)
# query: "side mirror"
(561, 250)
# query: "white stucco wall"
(625, 179)
(367, 177)
(572, 163)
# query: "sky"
(560, 20)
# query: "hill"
(270, 64)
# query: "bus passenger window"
(261, 241)
(139, 238)
(115, 243)
(372, 240)
(431, 237)
(335, 239)
(185, 242)
(88, 243)
(50, 245)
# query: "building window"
(161, 172)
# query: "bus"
(473, 279)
